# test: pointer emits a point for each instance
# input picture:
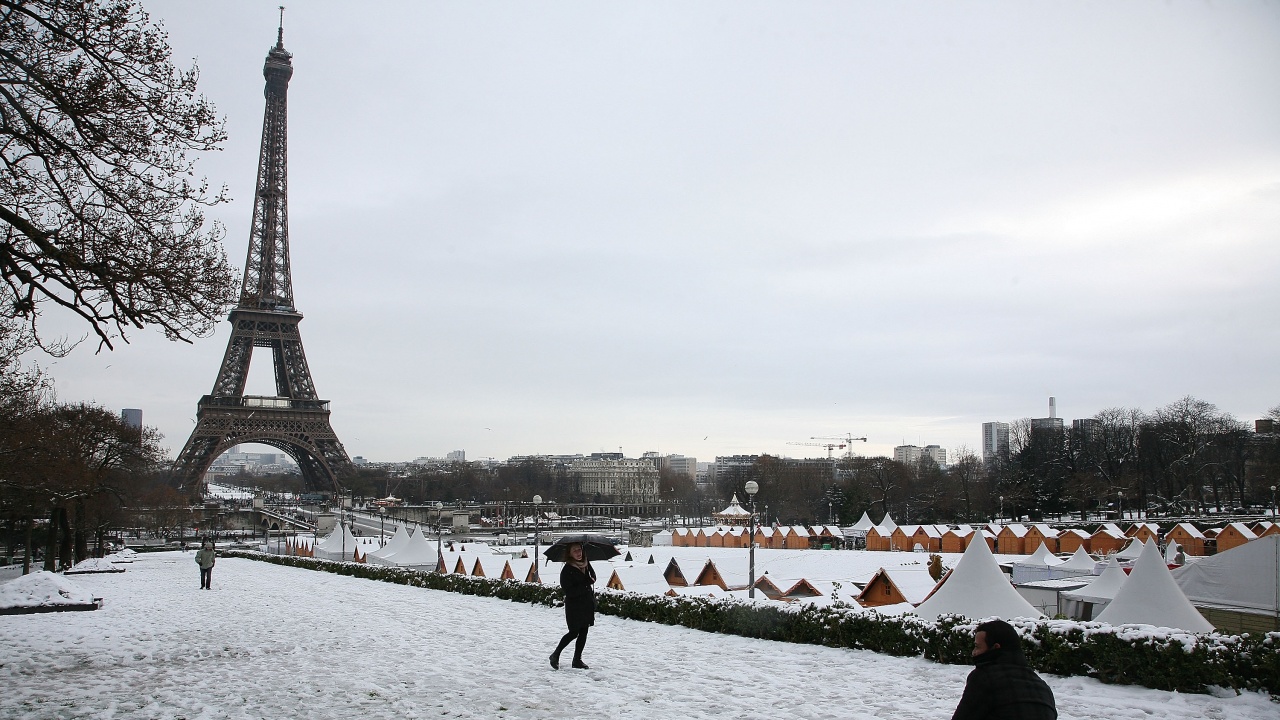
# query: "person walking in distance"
(206, 556)
(576, 579)
(1003, 686)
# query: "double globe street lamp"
(537, 539)
(752, 487)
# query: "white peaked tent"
(1035, 567)
(976, 588)
(337, 545)
(417, 553)
(397, 543)
(1131, 551)
(888, 525)
(864, 523)
(1151, 597)
(1088, 601)
(1080, 563)
(1243, 579)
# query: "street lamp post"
(537, 539)
(439, 542)
(1001, 508)
(1273, 501)
(1120, 498)
(382, 526)
(751, 488)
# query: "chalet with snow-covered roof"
(1265, 528)
(801, 589)
(638, 578)
(955, 539)
(1037, 535)
(899, 585)
(900, 538)
(1072, 539)
(927, 538)
(1107, 539)
(1234, 535)
(878, 539)
(1144, 531)
(797, 538)
(1188, 537)
(766, 585)
(1009, 539)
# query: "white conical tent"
(1151, 597)
(1079, 560)
(397, 542)
(418, 552)
(1041, 557)
(888, 525)
(976, 588)
(864, 523)
(1131, 551)
(1104, 588)
(339, 544)
(1243, 578)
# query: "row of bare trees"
(67, 470)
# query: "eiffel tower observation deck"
(294, 420)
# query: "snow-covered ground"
(277, 642)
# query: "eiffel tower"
(294, 419)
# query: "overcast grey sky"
(713, 228)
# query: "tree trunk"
(26, 549)
(81, 546)
(64, 549)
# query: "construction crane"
(828, 446)
(848, 440)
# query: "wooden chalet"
(1107, 539)
(927, 537)
(878, 539)
(896, 587)
(1037, 535)
(1144, 531)
(1072, 539)
(1009, 539)
(1234, 535)
(1188, 537)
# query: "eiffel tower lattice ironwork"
(294, 420)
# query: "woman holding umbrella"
(576, 579)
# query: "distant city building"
(612, 477)
(132, 417)
(678, 464)
(1053, 422)
(1087, 427)
(911, 454)
(995, 441)
(456, 456)
(359, 460)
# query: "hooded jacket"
(1004, 687)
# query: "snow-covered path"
(276, 642)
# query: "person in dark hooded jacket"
(576, 579)
(1003, 686)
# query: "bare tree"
(100, 211)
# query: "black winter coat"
(1004, 687)
(579, 596)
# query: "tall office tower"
(995, 441)
(132, 417)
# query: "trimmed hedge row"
(1159, 659)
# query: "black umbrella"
(594, 547)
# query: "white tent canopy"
(864, 523)
(1245, 578)
(337, 545)
(888, 525)
(1131, 551)
(1151, 597)
(418, 552)
(1104, 587)
(976, 588)
(1080, 561)
(397, 542)
(1035, 567)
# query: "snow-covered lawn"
(277, 642)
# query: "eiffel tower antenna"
(294, 420)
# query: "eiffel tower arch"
(293, 420)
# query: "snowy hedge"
(1137, 655)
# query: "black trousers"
(580, 635)
(206, 578)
